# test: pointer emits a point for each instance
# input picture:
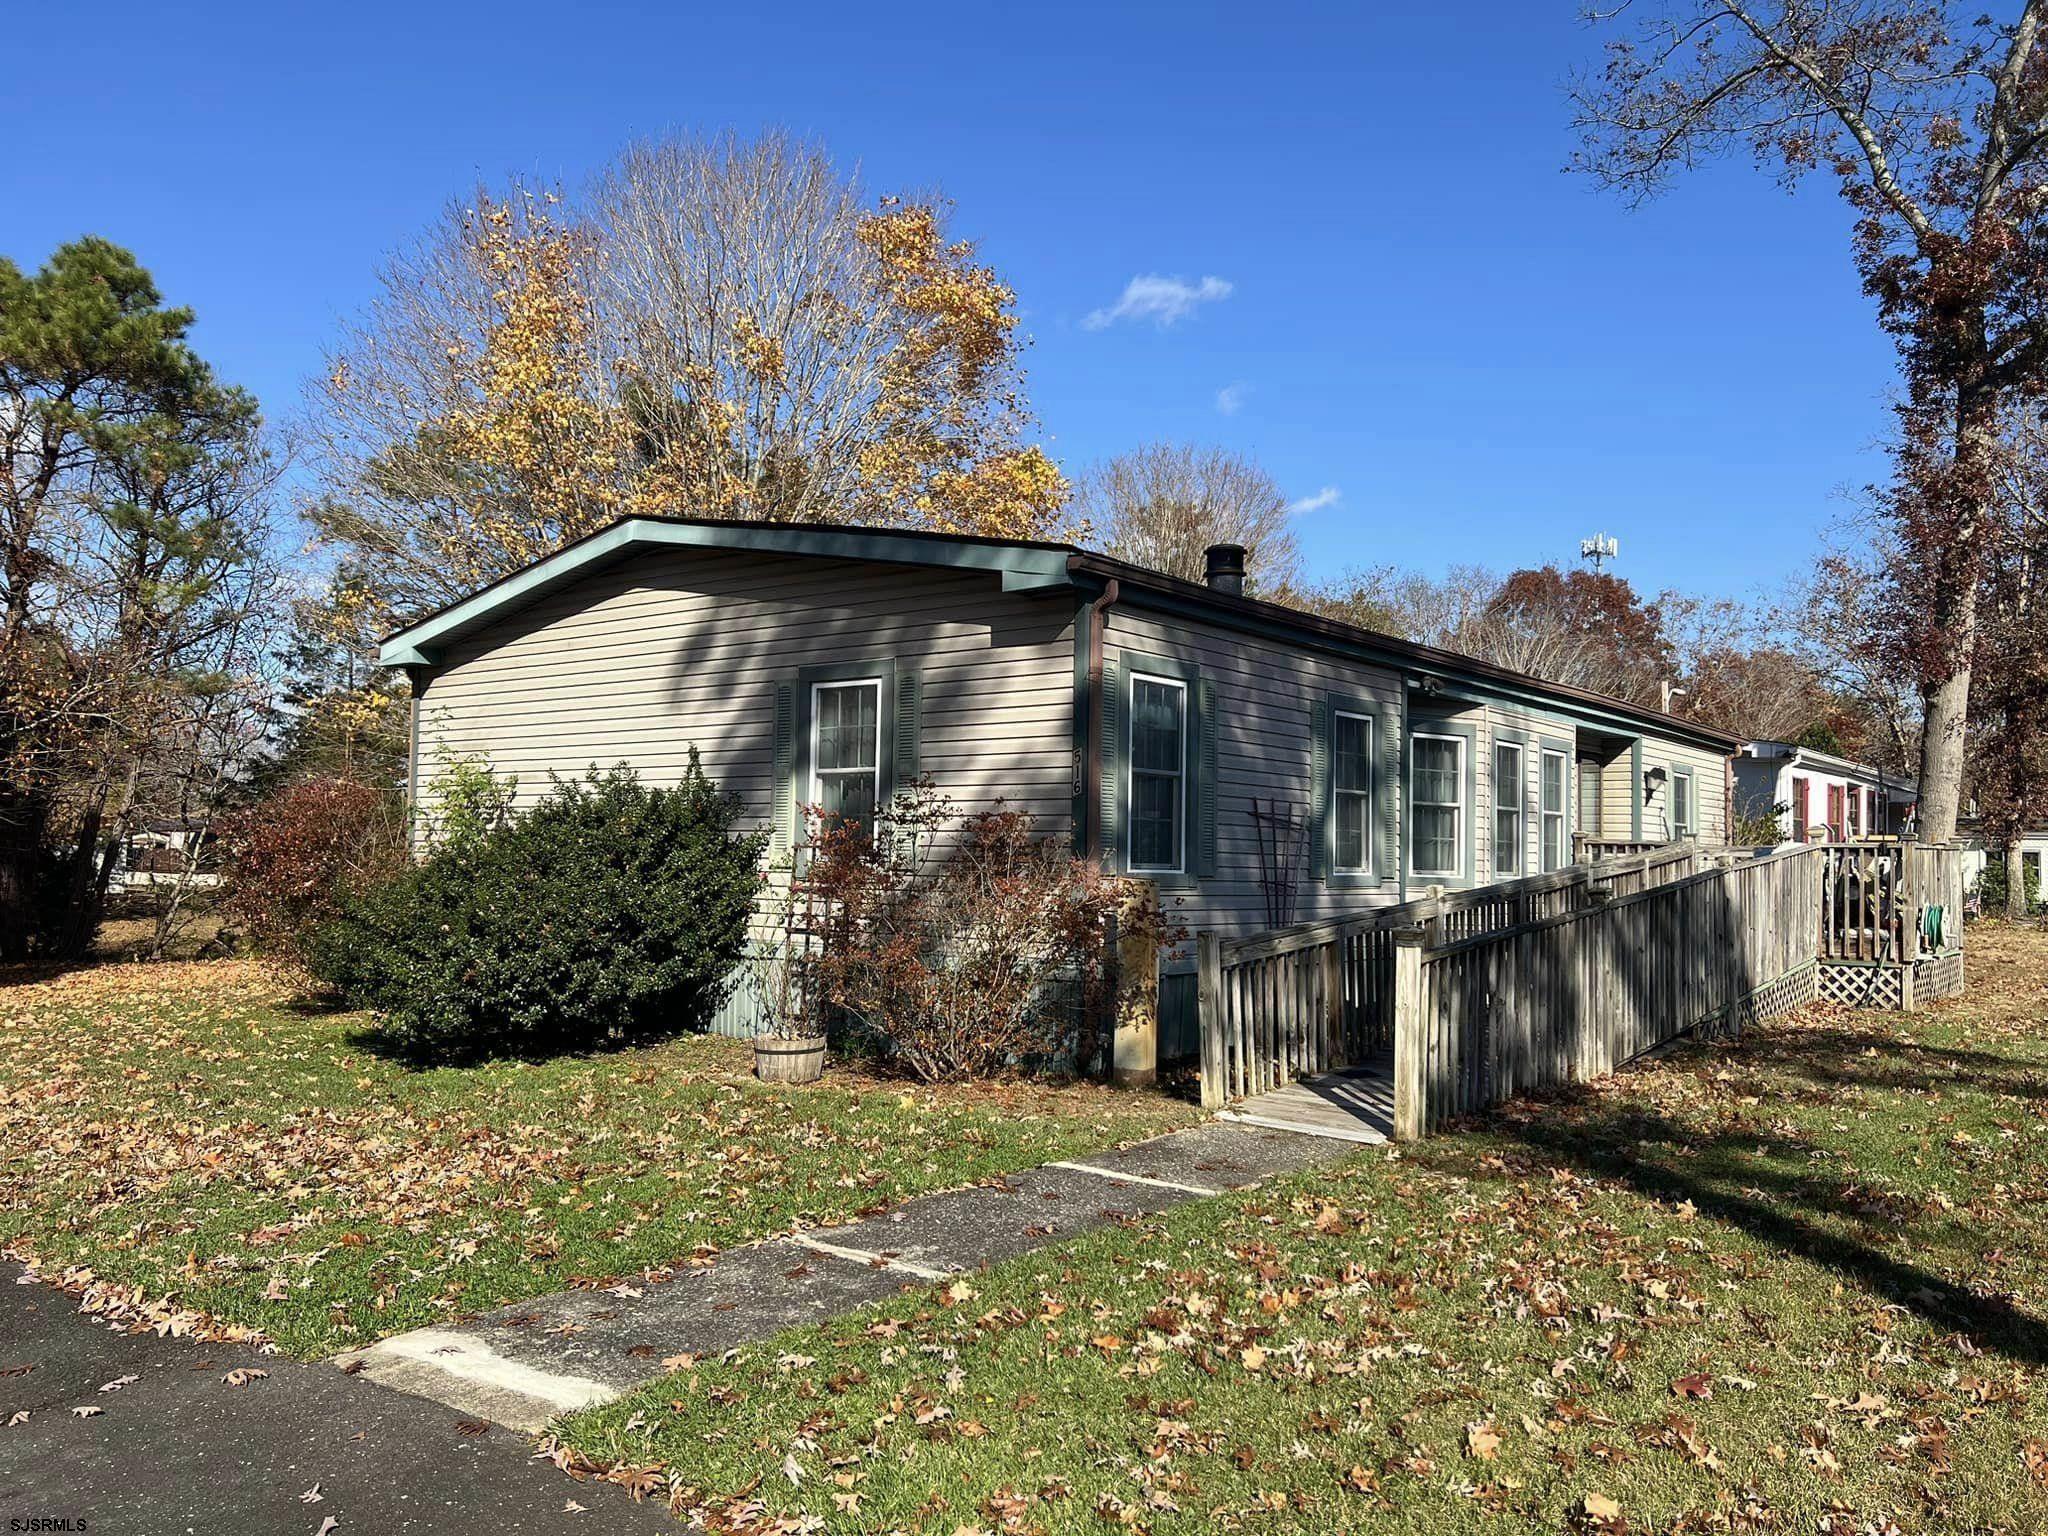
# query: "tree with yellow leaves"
(720, 328)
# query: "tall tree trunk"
(1944, 714)
(1945, 692)
(2015, 881)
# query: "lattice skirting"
(1775, 997)
(1862, 986)
(1892, 986)
(1938, 976)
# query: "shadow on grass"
(1730, 1176)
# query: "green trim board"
(1023, 567)
(1082, 724)
(1635, 790)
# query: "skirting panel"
(1892, 986)
(1775, 997)
(1862, 986)
(1938, 976)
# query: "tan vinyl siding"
(682, 648)
(1618, 792)
(1710, 790)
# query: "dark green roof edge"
(1476, 679)
(1023, 567)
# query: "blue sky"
(1483, 358)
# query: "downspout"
(1098, 619)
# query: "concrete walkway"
(523, 1365)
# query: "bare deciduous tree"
(1163, 505)
(1934, 119)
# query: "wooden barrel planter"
(777, 1060)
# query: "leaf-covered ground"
(193, 1132)
(1798, 1283)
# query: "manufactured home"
(1819, 797)
(1259, 764)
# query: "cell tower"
(1599, 549)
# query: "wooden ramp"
(1356, 1104)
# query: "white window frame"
(818, 774)
(1690, 826)
(1513, 806)
(1364, 870)
(1180, 778)
(1461, 827)
(1563, 814)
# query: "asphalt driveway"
(170, 1446)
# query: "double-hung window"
(1351, 792)
(846, 748)
(1158, 759)
(1436, 803)
(1507, 808)
(1684, 820)
(1556, 819)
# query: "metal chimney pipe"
(1225, 568)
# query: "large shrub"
(608, 912)
(965, 956)
(292, 859)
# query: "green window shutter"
(909, 727)
(1112, 750)
(1319, 731)
(784, 809)
(1205, 777)
(1389, 728)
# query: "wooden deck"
(1356, 1104)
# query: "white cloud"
(1328, 496)
(1162, 300)
(1230, 398)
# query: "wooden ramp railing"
(1317, 996)
(1555, 979)
(1569, 997)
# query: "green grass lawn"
(192, 1131)
(1794, 1284)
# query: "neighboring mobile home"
(1817, 796)
(1261, 765)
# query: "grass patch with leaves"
(1795, 1283)
(194, 1130)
